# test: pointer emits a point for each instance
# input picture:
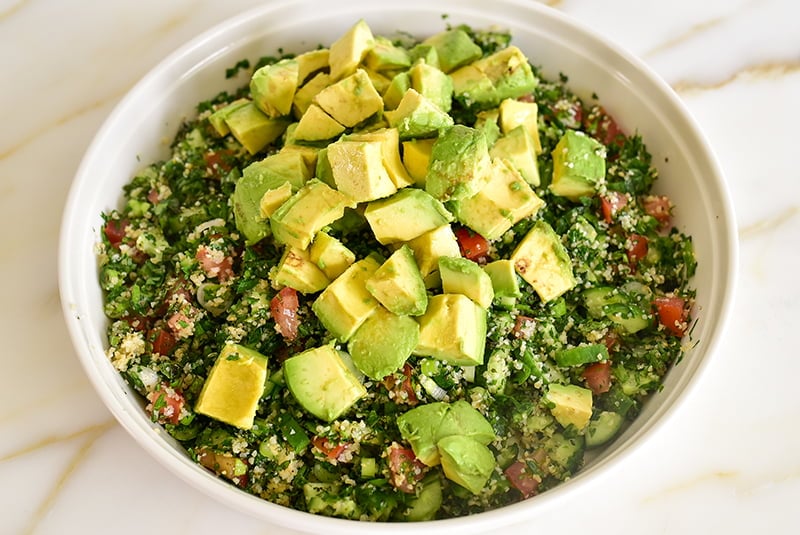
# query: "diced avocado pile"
(299, 294)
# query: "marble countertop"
(727, 462)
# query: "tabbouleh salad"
(396, 279)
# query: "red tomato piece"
(284, 311)
(672, 314)
(611, 203)
(523, 327)
(215, 263)
(218, 162)
(403, 390)
(406, 469)
(164, 342)
(115, 231)
(598, 377)
(636, 249)
(472, 245)
(166, 404)
(329, 449)
(522, 479)
(602, 126)
(660, 207)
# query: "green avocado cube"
(418, 116)
(454, 48)
(490, 80)
(386, 56)
(426, 53)
(296, 270)
(358, 169)
(234, 386)
(518, 148)
(218, 117)
(304, 96)
(466, 462)
(398, 284)
(316, 125)
(487, 122)
(330, 255)
(463, 276)
(322, 383)
(382, 343)
(514, 113)
(541, 259)
(351, 100)
(459, 165)
(311, 62)
(314, 206)
(453, 330)
(433, 84)
(390, 150)
(579, 165)
(504, 201)
(399, 84)
(406, 215)
(505, 281)
(254, 129)
(350, 49)
(416, 157)
(570, 404)
(431, 246)
(345, 304)
(273, 87)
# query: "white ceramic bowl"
(135, 133)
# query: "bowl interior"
(139, 129)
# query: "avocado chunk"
(416, 157)
(311, 62)
(463, 276)
(350, 50)
(570, 404)
(259, 178)
(296, 270)
(273, 86)
(454, 48)
(486, 82)
(579, 165)
(350, 100)
(541, 259)
(407, 214)
(357, 169)
(504, 200)
(398, 284)
(459, 165)
(316, 125)
(253, 129)
(466, 462)
(432, 84)
(417, 116)
(386, 56)
(427, 501)
(234, 386)
(453, 329)
(390, 150)
(330, 255)
(304, 96)
(431, 246)
(273, 198)
(382, 343)
(514, 113)
(313, 207)
(345, 304)
(487, 122)
(322, 383)
(517, 147)
(218, 117)
(398, 85)
(426, 53)
(504, 278)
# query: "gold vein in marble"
(13, 8)
(716, 476)
(769, 70)
(769, 224)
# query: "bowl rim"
(134, 422)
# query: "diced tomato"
(406, 469)
(166, 404)
(611, 341)
(152, 196)
(598, 377)
(164, 342)
(180, 324)
(138, 322)
(329, 449)
(523, 327)
(215, 263)
(522, 479)
(611, 203)
(672, 314)
(403, 390)
(472, 245)
(115, 231)
(218, 161)
(660, 207)
(602, 126)
(636, 249)
(283, 308)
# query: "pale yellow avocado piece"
(390, 145)
(429, 247)
(273, 198)
(385, 56)
(406, 215)
(463, 276)
(350, 100)
(398, 284)
(350, 50)
(396, 90)
(514, 113)
(504, 201)
(379, 81)
(234, 386)
(570, 404)
(345, 304)
(418, 116)
(296, 270)
(305, 95)
(541, 259)
(358, 170)
(252, 128)
(330, 255)
(273, 86)
(517, 147)
(308, 211)
(453, 329)
(316, 125)
(310, 62)
(217, 119)
(433, 84)
(416, 156)
(308, 154)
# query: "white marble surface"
(727, 462)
